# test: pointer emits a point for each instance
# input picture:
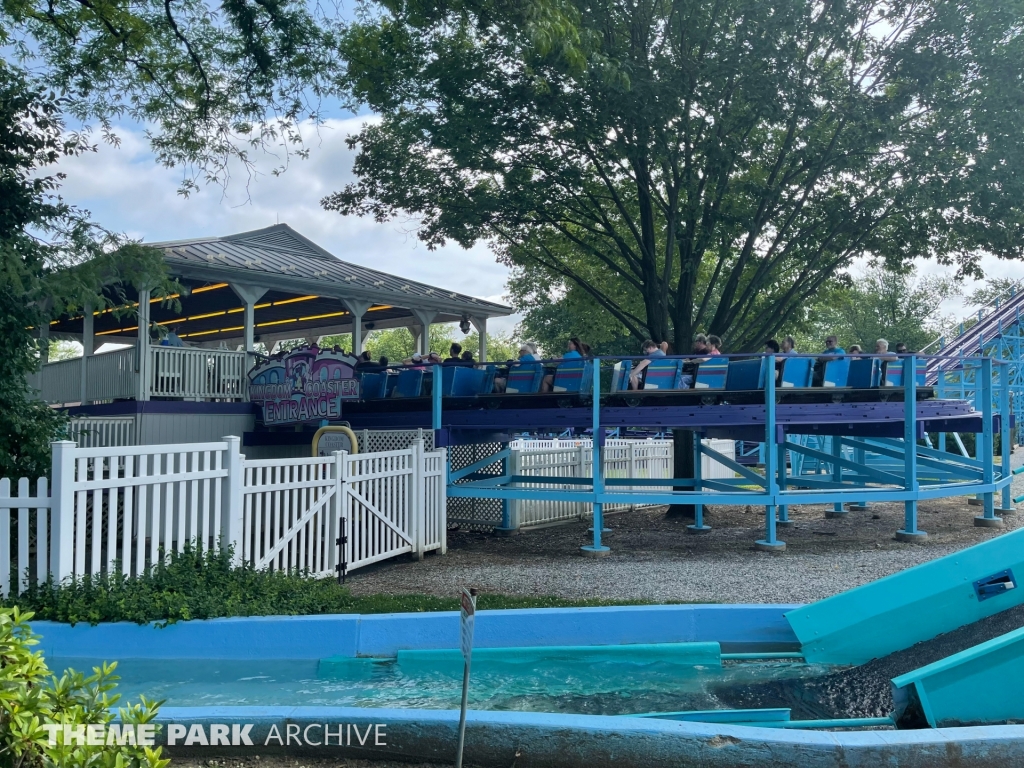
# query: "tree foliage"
(32, 698)
(694, 164)
(883, 304)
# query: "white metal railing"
(61, 382)
(102, 431)
(206, 374)
(111, 376)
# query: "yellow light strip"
(217, 330)
(378, 309)
(319, 317)
(117, 330)
(292, 301)
(210, 287)
(278, 322)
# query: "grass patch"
(204, 585)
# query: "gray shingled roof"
(278, 257)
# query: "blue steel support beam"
(910, 481)
(783, 508)
(837, 474)
(1005, 435)
(597, 549)
(770, 543)
(698, 509)
(985, 448)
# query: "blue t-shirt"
(656, 353)
(527, 359)
(836, 351)
(571, 355)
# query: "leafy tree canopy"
(694, 164)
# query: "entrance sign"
(327, 440)
(306, 384)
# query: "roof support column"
(88, 343)
(358, 309)
(426, 317)
(142, 362)
(481, 327)
(249, 294)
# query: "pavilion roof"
(278, 257)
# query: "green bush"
(32, 698)
(205, 585)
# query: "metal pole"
(597, 549)
(771, 482)
(910, 483)
(1004, 434)
(985, 448)
(465, 697)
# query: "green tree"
(500, 346)
(694, 165)
(883, 304)
(33, 700)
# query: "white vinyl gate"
(123, 508)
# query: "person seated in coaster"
(527, 355)
(831, 348)
(789, 346)
(771, 347)
(652, 352)
(574, 350)
(467, 358)
(454, 354)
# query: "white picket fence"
(126, 507)
(623, 458)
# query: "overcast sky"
(128, 192)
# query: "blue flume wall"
(316, 637)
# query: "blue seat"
(745, 375)
(467, 382)
(620, 375)
(863, 373)
(894, 373)
(663, 373)
(390, 382)
(711, 374)
(524, 379)
(410, 384)
(447, 379)
(372, 385)
(573, 376)
(797, 372)
(837, 371)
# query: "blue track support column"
(1005, 437)
(984, 447)
(597, 549)
(838, 510)
(698, 509)
(910, 483)
(783, 517)
(771, 482)
(940, 390)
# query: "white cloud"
(127, 191)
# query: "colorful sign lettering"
(307, 384)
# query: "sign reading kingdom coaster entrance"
(306, 384)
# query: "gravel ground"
(655, 558)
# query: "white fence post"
(233, 521)
(418, 511)
(62, 510)
(515, 521)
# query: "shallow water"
(602, 688)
